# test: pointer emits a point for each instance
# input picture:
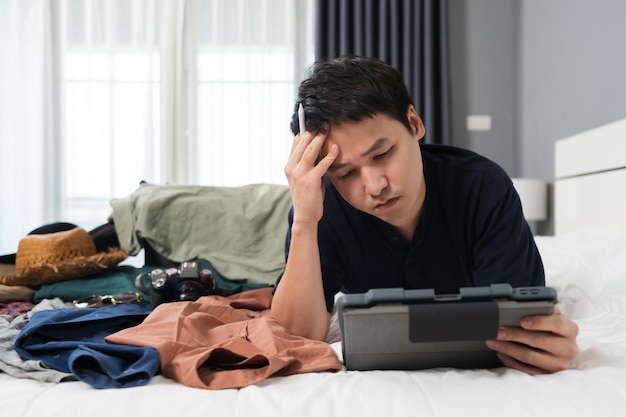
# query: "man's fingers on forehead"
(325, 147)
(294, 143)
(324, 163)
(327, 160)
(313, 148)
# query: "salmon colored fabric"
(226, 342)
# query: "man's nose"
(374, 181)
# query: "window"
(191, 91)
(246, 75)
(111, 102)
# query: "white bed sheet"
(588, 269)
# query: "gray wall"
(542, 69)
(573, 74)
(482, 58)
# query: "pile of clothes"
(114, 341)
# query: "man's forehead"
(361, 149)
(363, 136)
(358, 141)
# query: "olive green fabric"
(240, 230)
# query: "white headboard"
(590, 179)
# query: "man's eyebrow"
(336, 166)
(380, 142)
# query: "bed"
(585, 262)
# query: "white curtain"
(102, 94)
(30, 186)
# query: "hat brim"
(78, 267)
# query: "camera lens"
(189, 291)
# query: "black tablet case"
(393, 328)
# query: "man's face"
(379, 168)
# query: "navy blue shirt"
(472, 232)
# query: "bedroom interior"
(546, 81)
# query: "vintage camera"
(188, 282)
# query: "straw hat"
(47, 258)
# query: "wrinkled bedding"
(587, 268)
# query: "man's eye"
(382, 155)
(347, 175)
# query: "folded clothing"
(16, 308)
(122, 279)
(10, 361)
(226, 342)
(71, 340)
(113, 281)
(241, 230)
(15, 293)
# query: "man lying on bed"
(372, 207)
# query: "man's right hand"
(299, 303)
(304, 171)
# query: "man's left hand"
(542, 345)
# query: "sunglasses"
(94, 301)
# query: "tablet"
(393, 328)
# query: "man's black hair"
(349, 89)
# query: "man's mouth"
(386, 204)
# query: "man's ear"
(416, 123)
